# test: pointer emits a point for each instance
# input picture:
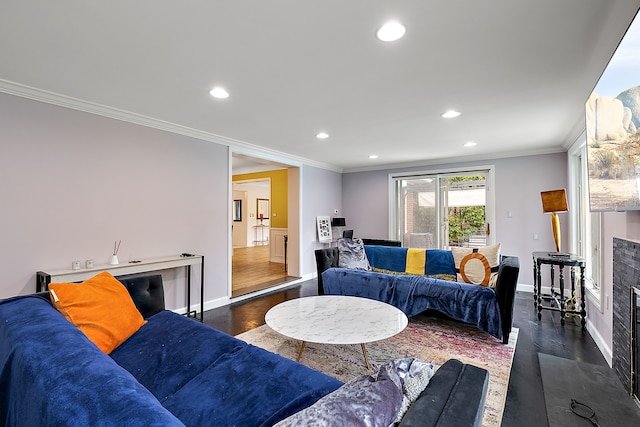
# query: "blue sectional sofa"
(176, 371)
(173, 371)
(491, 310)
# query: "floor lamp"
(553, 202)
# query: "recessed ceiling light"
(470, 144)
(322, 135)
(373, 156)
(219, 92)
(450, 114)
(391, 31)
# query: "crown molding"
(235, 145)
(65, 101)
(451, 160)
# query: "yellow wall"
(279, 194)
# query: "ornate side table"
(557, 298)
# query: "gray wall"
(518, 182)
(72, 183)
(321, 194)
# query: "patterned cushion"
(352, 254)
(478, 266)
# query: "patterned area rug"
(425, 338)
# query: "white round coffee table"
(336, 319)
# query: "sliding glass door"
(442, 209)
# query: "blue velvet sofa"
(491, 310)
(176, 371)
(172, 371)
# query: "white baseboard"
(600, 342)
(523, 287)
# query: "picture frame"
(262, 208)
(237, 210)
(324, 229)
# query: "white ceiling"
(519, 71)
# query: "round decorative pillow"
(475, 268)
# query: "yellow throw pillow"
(477, 266)
(100, 307)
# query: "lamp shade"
(554, 201)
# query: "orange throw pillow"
(100, 307)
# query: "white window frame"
(585, 232)
(490, 216)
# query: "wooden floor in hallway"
(252, 271)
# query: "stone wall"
(626, 275)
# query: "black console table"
(557, 298)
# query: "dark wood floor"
(525, 401)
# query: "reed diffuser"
(114, 257)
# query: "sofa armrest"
(325, 259)
(455, 396)
(506, 292)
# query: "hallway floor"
(525, 404)
(252, 271)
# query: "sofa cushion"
(352, 254)
(152, 354)
(478, 266)
(248, 387)
(100, 307)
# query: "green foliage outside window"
(465, 221)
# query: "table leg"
(366, 359)
(535, 285)
(539, 289)
(583, 311)
(301, 350)
(562, 305)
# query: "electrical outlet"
(535, 236)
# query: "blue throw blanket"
(174, 371)
(414, 294)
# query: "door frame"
(294, 197)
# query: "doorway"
(260, 226)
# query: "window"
(585, 229)
(441, 209)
